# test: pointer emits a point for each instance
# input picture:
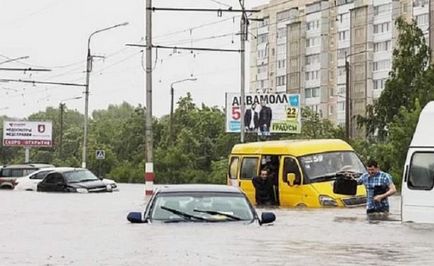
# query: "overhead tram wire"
(196, 27)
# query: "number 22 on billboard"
(236, 114)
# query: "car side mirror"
(267, 217)
(290, 179)
(135, 217)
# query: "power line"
(196, 27)
(186, 48)
(219, 10)
(42, 82)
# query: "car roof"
(28, 166)
(197, 188)
(297, 147)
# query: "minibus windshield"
(325, 166)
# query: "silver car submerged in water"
(199, 204)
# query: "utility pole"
(62, 108)
(243, 34)
(89, 59)
(172, 104)
(149, 166)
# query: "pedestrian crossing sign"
(100, 154)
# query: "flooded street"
(91, 229)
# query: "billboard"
(264, 113)
(27, 133)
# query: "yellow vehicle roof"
(292, 147)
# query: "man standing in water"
(379, 186)
(264, 188)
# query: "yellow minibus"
(305, 169)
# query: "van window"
(290, 166)
(421, 174)
(233, 167)
(249, 167)
(16, 172)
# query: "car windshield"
(325, 166)
(201, 207)
(80, 176)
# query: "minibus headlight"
(327, 201)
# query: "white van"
(417, 202)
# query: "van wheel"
(301, 205)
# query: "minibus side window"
(290, 166)
(233, 167)
(421, 174)
(249, 167)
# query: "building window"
(341, 71)
(312, 25)
(343, 52)
(381, 9)
(381, 65)
(314, 41)
(420, 3)
(382, 27)
(343, 35)
(262, 38)
(281, 48)
(382, 46)
(264, 22)
(312, 59)
(281, 33)
(379, 84)
(311, 92)
(422, 19)
(281, 63)
(312, 75)
(341, 106)
(280, 80)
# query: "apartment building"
(303, 46)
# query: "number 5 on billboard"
(236, 112)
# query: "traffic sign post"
(100, 155)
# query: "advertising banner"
(264, 113)
(27, 133)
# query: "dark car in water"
(199, 203)
(69, 179)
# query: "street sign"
(100, 154)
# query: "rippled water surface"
(91, 229)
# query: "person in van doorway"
(379, 186)
(251, 119)
(265, 116)
(264, 188)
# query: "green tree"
(407, 81)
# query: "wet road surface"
(91, 229)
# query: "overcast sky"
(54, 33)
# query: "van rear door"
(417, 186)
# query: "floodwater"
(91, 229)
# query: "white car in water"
(30, 181)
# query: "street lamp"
(86, 93)
(347, 94)
(62, 108)
(171, 103)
